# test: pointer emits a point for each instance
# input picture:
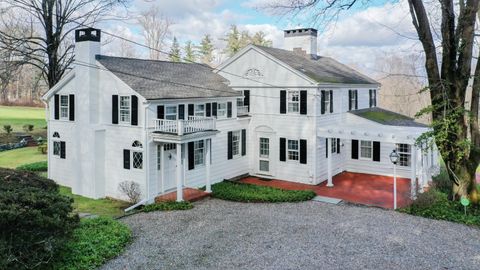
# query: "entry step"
(326, 199)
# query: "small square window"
(200, 110)
(366, 149)
(404, 154)
(221, 110)
(293, 101)
(171, 112)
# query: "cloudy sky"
(359, 37)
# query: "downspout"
(47, 117)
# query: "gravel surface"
(311, 235)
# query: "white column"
(208, 187)
(162, 166)
(329, 162)
(424, 170)
(179, 173)
(413, 176)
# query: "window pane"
(222, 109)
(137, 160)
(292, 149)
(264, 147)
(124, 109)
(200, 110)
(366, 149)
(236, 143)
(264, 166)
(198, 153)
(56, 148)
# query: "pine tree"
(234, 40)
(190, 53)
(206, 50)
(175, 51)
(260, 39)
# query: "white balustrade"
(181, 127)
(242, 110)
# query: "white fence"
(181, 127)
(242, 110)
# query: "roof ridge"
(99, 56)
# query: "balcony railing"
(242, 110)
(181, 127)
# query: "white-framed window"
(199, 152)
(171, 112)
(241, 100)
(64, 112)
(221, 110)
(334, 145)
(326, 101)
(137, 155)
(293, 101)
(353, 99)
(264, 147)
(199, 110)
(236, 143)
(124, 109)
(293, 150)
(56, 148)
(404, 154)
(366, 149)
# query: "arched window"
(137, 144)
(56, 135)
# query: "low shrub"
(41, 166)
(8, 128)
(241, 192)
(168, 206)
(28, 127)
(35, 220)
(93, 243)
(436, 205)
(442, 181)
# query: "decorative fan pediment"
(253, 72)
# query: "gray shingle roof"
(386, 117)
(167, 80)
(321, 69)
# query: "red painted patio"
(367, 189)
(189, 194)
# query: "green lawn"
(14, 158)
(17, 116)
(101, 207)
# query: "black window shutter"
(244, 142)
(349, 100)
(191, 155)
(214, 109)
(181, 111)
(303, 102)
(160, 112)
(326, 147)
(114, 109)
(374, 97)
(56, 101)
(331, 101)
(303, 151)
(376, 151)
(208, 110)
(126, 159)
(229, 145)
(134, 120)
(71, 108)
(229, 109)
(246, 98)
(283, 101)
(338, 145)
(354, 149)
(323, 101)
(356, 99)
(370, 98)
(283, 143)
(63, 151)
(190, 110)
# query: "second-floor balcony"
(242, 110)
(181, 127)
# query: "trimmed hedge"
(242, 192)
(41, 166)
(93, 243)
(35, 220)
(168, 206)
(436, 205)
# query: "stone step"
(326, 199)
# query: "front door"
(169, 173)
(264, 155)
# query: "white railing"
(242, 110)
(181, 127)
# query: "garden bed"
(241, 192)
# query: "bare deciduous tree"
(131, 190)
(156, 27)
(48, 46)
(449, 67)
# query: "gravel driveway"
(311, 235)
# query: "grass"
(41, 166)
(168, 206)
(101, 207)
(241, 192)
(17, 116)
(92, 244)
(435, 204)
(21, 156)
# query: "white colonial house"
(286, 114)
